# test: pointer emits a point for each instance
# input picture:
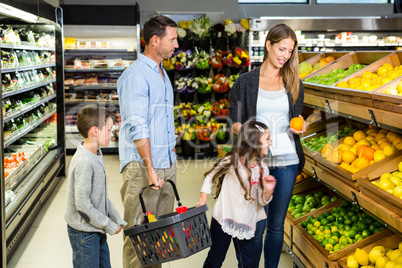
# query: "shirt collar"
(149, 61)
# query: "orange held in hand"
(296, 123)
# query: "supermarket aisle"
(46, 243)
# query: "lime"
(376, 230)
(366, 233)
(319, 194)
(341, 226)
(309, 226)
(343, 246)
(336, 233)
(304, 224)
(319, 238)
(310, 232)
(352, 233)
(324, 221)
(327, 227)
(321, 228)
(342, 213)
(337, 247)
(332, 241)
(347, 227)
(340, 219)
(343, 240)
(350, 214)
(368, 220)
(345, 204)
(317, 224)
(331, 218)
(372, 228)
(361, 226)
(333, 199)
(359, 238)
(320, 217)
(325, 199)
(310, 219)
(327, 213)
(347, 221)
(323, 243)
(354, 218)
(334, 228)
(335, 223)
(327, 236)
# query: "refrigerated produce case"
(33, 135)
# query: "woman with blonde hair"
(273, 94)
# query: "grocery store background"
(35, 234)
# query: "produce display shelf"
(26, 68)
(95, 50)
(27, 129)
(92, 87)
(355, 111)
(72, 70)
(30, 182)
(19, 91)
(25, 108)
(10, 46)
(91, 101)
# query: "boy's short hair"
(90, 116)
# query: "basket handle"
(142, 199)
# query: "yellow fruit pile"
(378, 257)
(396, 91)
(363, 148)
(370, 81)
(391, 182)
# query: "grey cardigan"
(243, 104)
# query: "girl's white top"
(237, 216)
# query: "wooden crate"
(305, 185)
(389, 242)
(338, 55)
(303, 56)
(392, 59)
(378, 95)
(342, 252)
(320, 210)
(361, 57)
(379, 195)
(391, 107)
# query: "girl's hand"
(303, 130)
(269, 183)
(202, 201)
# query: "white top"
(237, 216)
(273, 110)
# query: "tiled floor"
(46, 243)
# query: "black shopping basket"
(173, 236)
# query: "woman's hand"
(202, 201)
(303, 130)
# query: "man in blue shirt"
(147, 141)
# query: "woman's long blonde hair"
(290, 71)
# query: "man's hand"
(155, 180)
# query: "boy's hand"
(154, 179)
(269, 183)
(118, 230)
(202, 201)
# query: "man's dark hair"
(156, 25)
(92, 115)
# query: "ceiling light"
(17, 13)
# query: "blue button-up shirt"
(146, 107)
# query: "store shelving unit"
(35, 178)
(73, 106)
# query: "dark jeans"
(276, 213)
(220, 244)
(90, 250)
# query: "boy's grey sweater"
(88, 207)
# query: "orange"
(345, 147)
(326, 151)
(359, 135)
(388, 66)
(349, 140)
(329, 59)
(348, 157)
(397, 140)
(296, 123)
(359, 150)
(336, 156)
(382, 140)
(376, 147)
(368, 153)
(362, 162)
(302, 75)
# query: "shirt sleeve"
(208, 183)
(134, 105)
(82, 192)
(234, 102)
(298, 106)
(114, 214)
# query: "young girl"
(243, 188)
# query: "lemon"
(375, 254)
(381, 261)
(379, 155)
(352, 264)
(399, 260)
(388, 254)
(386, 176)
(400, 166)
(386, 184)
(382, 249)
(396, 180)
(362, 256)
(397, 191)
(352, 257)
(395, 254)
(390, 264)
(389, 150)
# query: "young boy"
(89, 213)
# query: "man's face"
(168, 43)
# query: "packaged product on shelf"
(69, 82)
(9, 128)
(91, 81)
(46, 57)
(102, 64)
(9, 36)
(82, 44)
(69, 64)
(8, 59)
(6, 82)
(82, 64)
(103, 79)
(127, 63)
(44, 40)
(69, 43)
(20, 77)
(115, 64)
(26, 36)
